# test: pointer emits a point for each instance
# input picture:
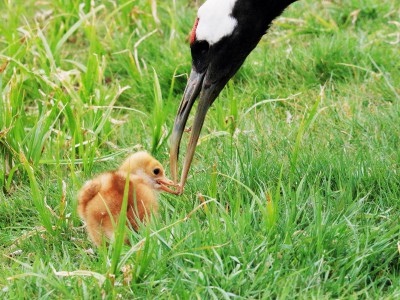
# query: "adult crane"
(223, 35)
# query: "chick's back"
(101, 199)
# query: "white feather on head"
(215, 20)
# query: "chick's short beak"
(164, 182)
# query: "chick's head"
(150, 169)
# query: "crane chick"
(100, 199)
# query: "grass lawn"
(294, 190)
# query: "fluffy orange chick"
(100, 199)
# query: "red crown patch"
(193, 32)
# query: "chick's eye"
(156, 171)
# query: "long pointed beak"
(192, 90)
(208, 93)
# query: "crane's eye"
(200, 55)
(156, 171)
(200, 48)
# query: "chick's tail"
(85, 195)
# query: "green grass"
(298, 166)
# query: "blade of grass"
(37, 197)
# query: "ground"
(294, 191)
